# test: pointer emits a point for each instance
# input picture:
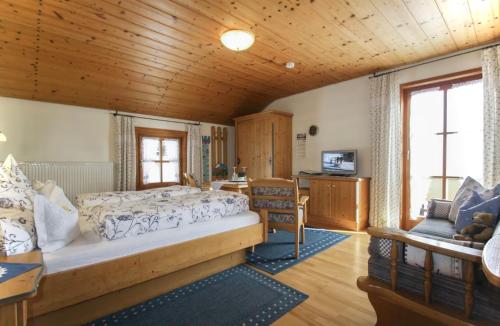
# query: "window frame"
(141, 132)
(444, 82)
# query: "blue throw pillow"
(466, 212)
(475, 199)
(490, 193)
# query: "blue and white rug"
(278, 253)
(11, 270)
(237, 296)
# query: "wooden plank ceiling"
(164, 58)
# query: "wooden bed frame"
(84, 294)
(393, 305)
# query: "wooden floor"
(329, 278)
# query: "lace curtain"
(386, 138)
(491, 91)
(125, 147)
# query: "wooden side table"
(491, 260)
(241, 188)
(15, 292)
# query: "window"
(161, 157)
(443, 139)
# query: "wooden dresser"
(264, 144)
(337, 202)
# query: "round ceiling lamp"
(237, 40)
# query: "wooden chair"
(189, 180)
(277, 201)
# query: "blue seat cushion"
(436, 228)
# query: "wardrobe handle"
(238, 161)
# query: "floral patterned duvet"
(131, 218)
(118, 197)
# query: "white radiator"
(73, 177)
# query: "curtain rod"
(375, 74)
(155, 119)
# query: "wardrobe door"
(282, 146)
(254, 147)
(245, 148)
(263, 149)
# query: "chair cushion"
(286, 218)
(274, 203)
(272, 191)
(435, 228)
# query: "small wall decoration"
(205, 157)
(300, 145)
(313, 130)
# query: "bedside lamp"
(2, 137)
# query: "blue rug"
(278, 253)
(237, 296)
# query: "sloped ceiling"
(164, 58)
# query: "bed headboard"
(73, 177)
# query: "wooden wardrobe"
(264, 144)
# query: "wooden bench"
(393, 304)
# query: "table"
(15, 292)
(491, 260)
(239, 187)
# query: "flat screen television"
(339, 162)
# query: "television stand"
(337, 201)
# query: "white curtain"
(194, 152)
(491, 92)
(125, 159)
(386, 139)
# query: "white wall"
(40, 131)
(341, 111)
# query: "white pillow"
(56, 220)
(44, 188)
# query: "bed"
(92, 277)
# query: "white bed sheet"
(84, 251)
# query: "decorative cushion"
(490, 193)
(17, 231)
(438, 208)
(56, 221)
(15, 188)
(463, 194)
(467, 213)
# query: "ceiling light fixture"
(290, 65)
(237, 40)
